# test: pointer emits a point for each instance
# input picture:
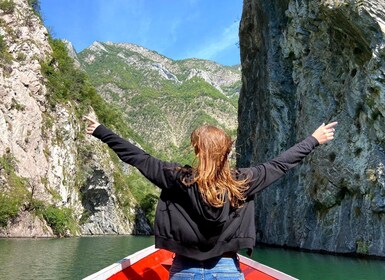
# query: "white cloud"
(174, 27)
(211, 49)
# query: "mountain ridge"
(153, 89)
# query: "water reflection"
(75, 258)
(311, 266)
(65, 258)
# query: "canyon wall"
(305, 63)
(53, 179)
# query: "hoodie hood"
(212, 216)
(215, 216)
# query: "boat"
(154, 264)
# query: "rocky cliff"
(53, 179)
(304, 63)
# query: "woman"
(206, 214)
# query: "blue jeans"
(212, 269)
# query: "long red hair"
(213, 173)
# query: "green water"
(311, 266)
(75, 258)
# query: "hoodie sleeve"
(160, 173)
(265, 174)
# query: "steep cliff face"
(304, 63)
(50, 182)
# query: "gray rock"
(305, 63)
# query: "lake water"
(75, 258)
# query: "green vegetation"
(154, 102)
(12, 194)
(35, 4)
(5, 57)
(16, 105)
(8, 6)
(134, 186)
(145, 193)
(9, 208)
(231, 92)
(15, 196)
(59, 219)
(362, 247)
(68, 84)
(21, 57)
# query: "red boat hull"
(154, 264)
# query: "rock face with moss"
(305, 63)
(53, 179)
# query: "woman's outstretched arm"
(265, 174)
(159, 172)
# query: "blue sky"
(178, 29)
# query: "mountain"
(163, 100)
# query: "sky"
(178, 29)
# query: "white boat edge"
(121, 265)
(131, 259)
(265, 269)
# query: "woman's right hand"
(325, 133)
(93, 124)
